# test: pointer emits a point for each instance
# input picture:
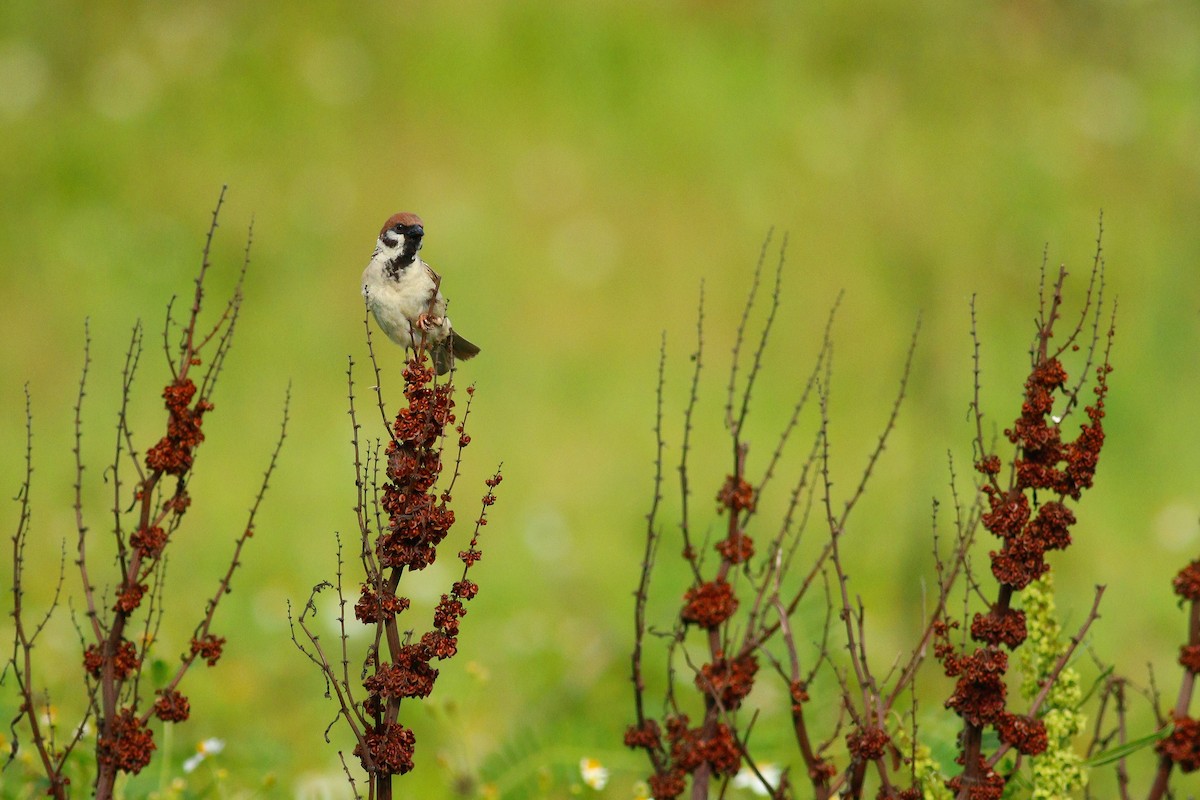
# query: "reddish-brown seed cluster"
(1189, 658)
(171, 706)
(439, 644)
(712, 745)
(409, 675)
(418, 520)
(980, 692)
(173, 453)
(127, 744)
(667, 785)
(1187, 582)
(149, 542)
(209, 648)
(389, 749)
(987, 786)
(737, 494)
(126, 660)
(447, 614)
(372, 607)
(688, 749)
(1028, 531)
(93, 660)
(647, 736)
(1026, 734)
(736, 548)
(1045, 463)
(1000, 626)
(709, 604)
(799, 693)
(1182, 747)
(1026, 541)
(130, 597)
(868, 744)
(729, 681)
(465, 589)
(179, 502)
(821, 770)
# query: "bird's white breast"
(396, 304)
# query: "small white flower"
(206, 748)
(49, 716)
(593, 772)
(746, 779)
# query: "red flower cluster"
(709, 604)
(127, 745)
(173, 453)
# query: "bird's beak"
(417, 232)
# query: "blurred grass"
(581, 168)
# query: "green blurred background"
(581, 167)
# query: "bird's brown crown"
(403, 218)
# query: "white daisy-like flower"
(205, 749)
(746, 779)
(594, 773)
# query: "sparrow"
(404, 294)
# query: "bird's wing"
(433, 276)
(437, 285)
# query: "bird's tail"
(454, 347)
(462, 348)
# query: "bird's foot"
(429, 322)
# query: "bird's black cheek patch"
(411, 247)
